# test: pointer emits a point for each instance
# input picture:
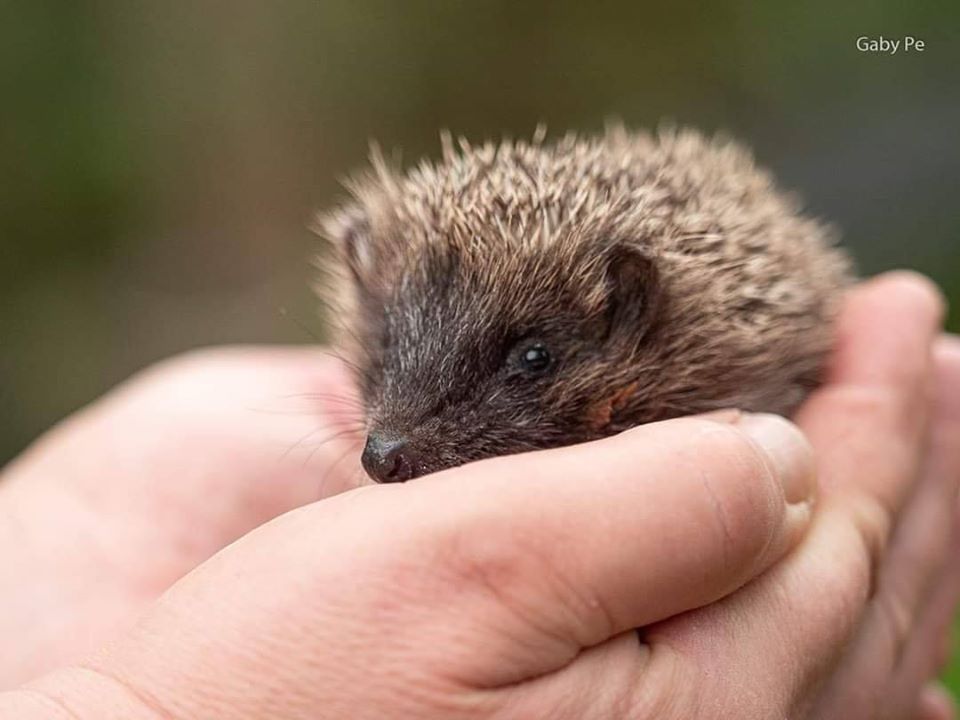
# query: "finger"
(867, 463)
(935, 704)
(878, 387)
(925, 539)
(569, 547)
(786, 630)
(891, 657)
(866, 352)
(917, 586)
(929, 645)
(869, 422)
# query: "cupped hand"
(854, 623)
(510, 588)
(107, 510)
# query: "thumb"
(570, 547)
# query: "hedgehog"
(522, 295)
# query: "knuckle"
(895, 621)
(121, 690)
(904, 413)
(483, 554)
(521, 573)
(671, 690)
(845, 579)
(877, 406)
(873, 522)
(872, 412)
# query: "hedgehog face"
(474, 353)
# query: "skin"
(508, 603)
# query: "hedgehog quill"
(522, 295)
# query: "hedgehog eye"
(535, 358)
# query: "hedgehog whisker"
(355, 430)
(346, 400)
(348, 451)
(332, 467)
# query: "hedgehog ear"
(633, 290)
(350, 233)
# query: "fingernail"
(788, 451)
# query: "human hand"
(216, 645)
(450, 592)
(855, 622)
(111, 507)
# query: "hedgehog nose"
(389, 460)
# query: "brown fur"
(665, 274)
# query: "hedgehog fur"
(662, 275)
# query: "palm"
(162, 474)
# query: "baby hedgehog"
(518, 295)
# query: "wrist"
(76, 693)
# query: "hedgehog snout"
(390, 459)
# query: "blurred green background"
(159, 161)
